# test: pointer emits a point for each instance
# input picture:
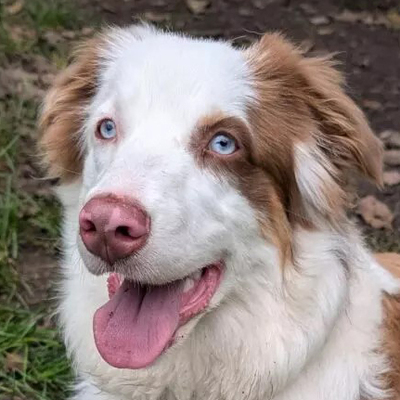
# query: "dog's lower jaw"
(316, 339)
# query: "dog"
(207, 249)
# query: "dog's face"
(197, 161)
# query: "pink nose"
(113, 227)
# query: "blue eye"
(107, 129)
(223, 144)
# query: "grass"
(385, 241)
(9, 198)
(34, 358)
(33, 364)
(25, 32)
(52, 14)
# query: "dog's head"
(197, 161)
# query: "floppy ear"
(309, 134)
(344, 134)
(63, 112)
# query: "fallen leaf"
(364, 17)
(325, 30)
(68, 34)
(245, 12)
(307, 8)
(87, 31)
(307, 45)
(392, 158)
(391, 178)
(197, 6)
(260, 4)
(348, 16)
(156, 17)
(394, 19)
(372, 104)
(319, 20)
(390, 138)
(375, 213)
(14, 362)
(53, 38)
(381, 19)
(15, 7)
(369, 19)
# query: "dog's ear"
(343, 134)
(309, 133)
(343, 141)
(63, 112)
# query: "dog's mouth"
(139, 322)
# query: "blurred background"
(36, 37)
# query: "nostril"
(87, 225)
(123, 232)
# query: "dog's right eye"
(106, 129)
(223, 144)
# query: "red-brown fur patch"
(391, 326)
(300, 99)
(297, 100)
(250, 179)
(64, 112)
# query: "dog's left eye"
(106, 129)
(223, 143)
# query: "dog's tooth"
(189, 283)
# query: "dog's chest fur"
(257, 351)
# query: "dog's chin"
(141, 321)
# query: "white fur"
(313, 174)
(310, 332)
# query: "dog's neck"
(313, 336)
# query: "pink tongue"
(137, 324)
